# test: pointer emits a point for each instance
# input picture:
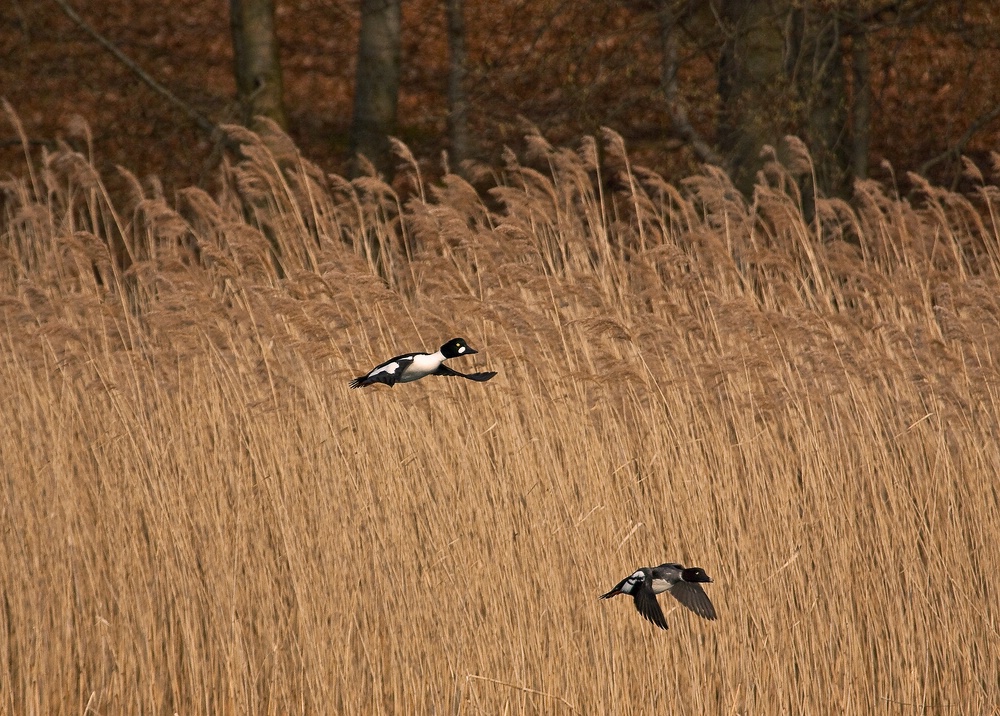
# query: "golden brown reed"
(200, 517)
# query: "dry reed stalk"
(200, 516)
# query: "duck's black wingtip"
(358, 383)
(481, 377)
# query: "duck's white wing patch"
(390, 368)
(633, 583)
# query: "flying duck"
(684, 584)
(414, 366)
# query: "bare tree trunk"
(783, 72)
(821, 85)
(458, 126)
(668, 83)
(861, 107)
(255, 53)
(753, 87)
(376, 91)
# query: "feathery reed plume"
(202, 516)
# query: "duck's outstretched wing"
(649, 607)
(478, 377)
(362, 381)
(692, 596)
(388, 372)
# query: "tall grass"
(200, 517)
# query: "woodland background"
(568, 68)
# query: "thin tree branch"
(955, 150)
(194, 115)
(668, 81)
(17, 142)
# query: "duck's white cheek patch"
(391, 368)
(462, 349)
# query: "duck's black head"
(695, 574)
(457, 347)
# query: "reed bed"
(798, 394)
